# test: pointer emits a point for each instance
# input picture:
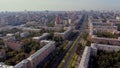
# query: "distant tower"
(57, 20)
(69, 21)
(28, 15)
(46, 18)
(118, 18)
(47, 12)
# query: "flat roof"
(41, 50)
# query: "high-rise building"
(69, 21)
(118, 18)
(57, 20)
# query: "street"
(75, 47)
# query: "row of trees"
(118, 25)
(13, 57)
(80, 49)
(10, 31)
(105, 60)
(30, 46)
(85, 39)
(1, 42)
(106, 34)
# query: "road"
(69, 45)
(75, 47)
(63, 54)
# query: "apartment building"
(103, 27)
(14, 45)
(111, 41)
(34, 59)
(44, 36)
(37, 57)
(65, 34)
(92, 51)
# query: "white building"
(24, 34)
(30, 29)
(65, 34)
(85, 58)
(2, 65)
(102, 27)
(92, 51)
(9, 34)
(42, 53)
(44, 36)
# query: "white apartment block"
(65, 34)
(44, 36)
(92, 50)
(34, 59)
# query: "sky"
(58, 5)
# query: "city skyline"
(59, 34)
(58, 5)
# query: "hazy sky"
(58, 5)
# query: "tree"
(1, 42)
(10, 54)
